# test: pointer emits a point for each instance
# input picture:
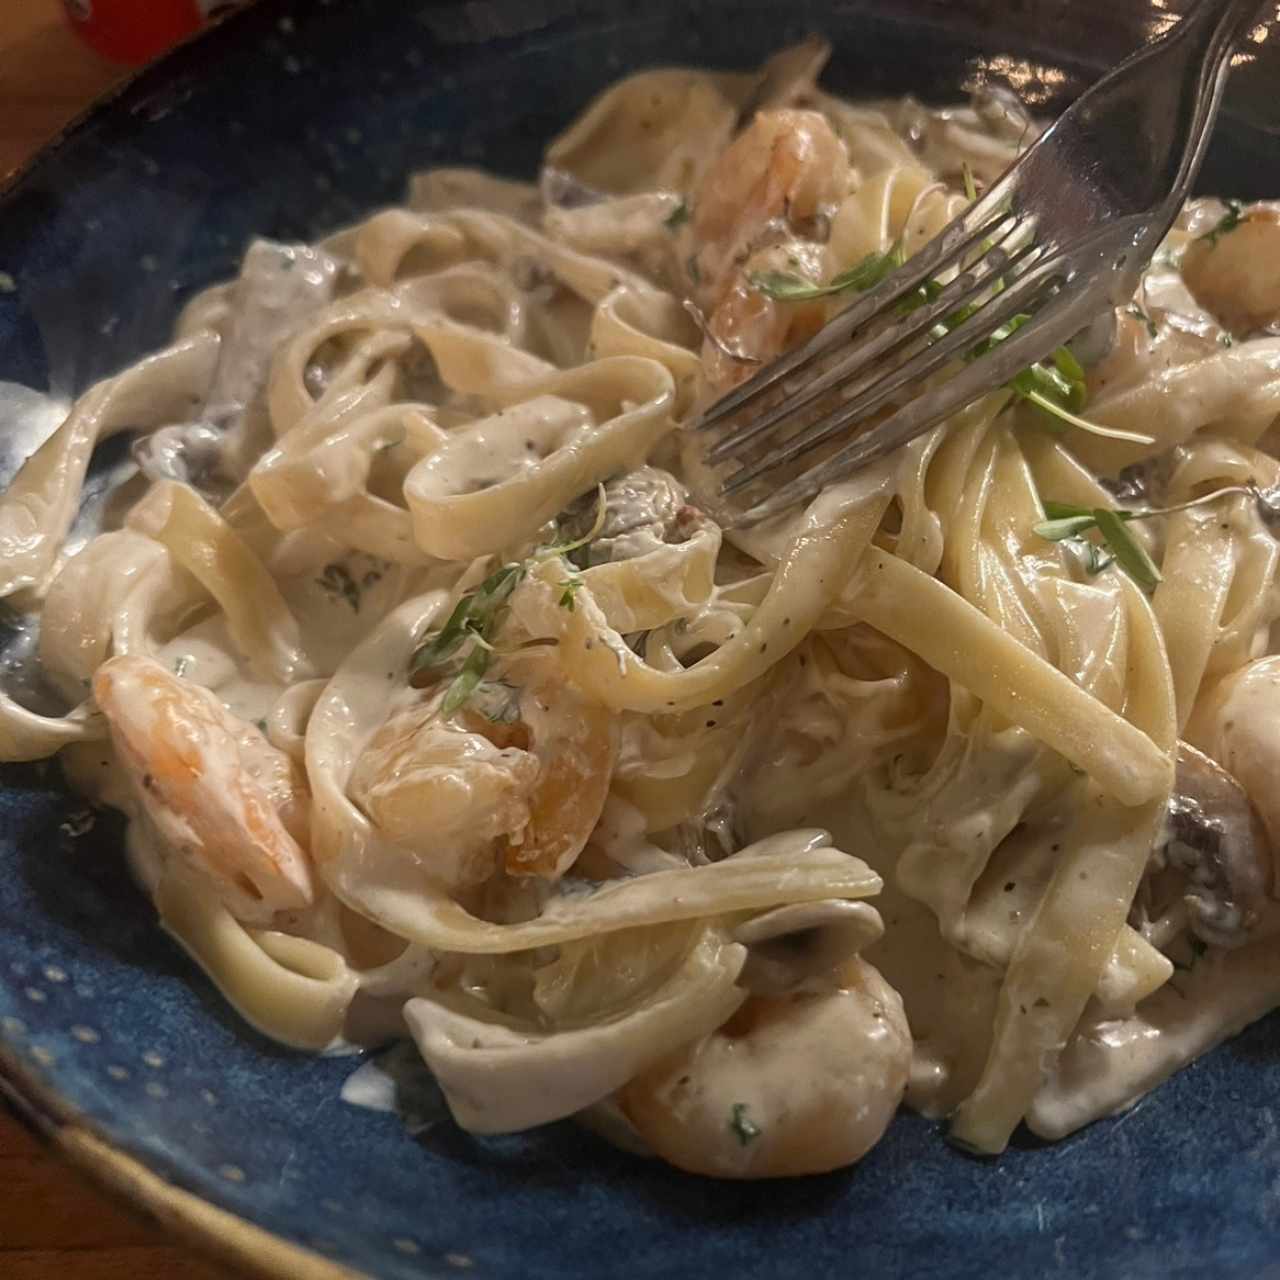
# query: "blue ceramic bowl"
(290, 120)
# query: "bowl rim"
(217, 1233)
(64, 1130)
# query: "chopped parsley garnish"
(1230, 221)
(337, 581)
(181, 665)
(677, 217)
(742, 1126)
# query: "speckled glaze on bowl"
(290, 120)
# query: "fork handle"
(1215, 25)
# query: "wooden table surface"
(53, 1224)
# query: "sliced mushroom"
(1217, 840)
(189, 453)
(791, 945)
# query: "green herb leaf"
(1000, 334)
(1064, 527)
(1064, 360)
(476, 615)
(1056, 410)
(863, 275)
(1064, 510)
(970, 186)
(571, 587)
(467, 680)
(1230, 221)
(742, 1126)
(677, 217)
(1130, 554)
(479, 614)
(1043, 381)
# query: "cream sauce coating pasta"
(434, 679)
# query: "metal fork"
(1064, 234)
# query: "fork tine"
(884, 341)
(1062, 315)
(940, 253)
(1025, 291)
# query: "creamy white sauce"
(206, 656)
(950, 998)
(1111, 1063)
(504, 447)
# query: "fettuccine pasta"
(445, 696)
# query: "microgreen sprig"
(478, 617)
(1057, 388)
(781, 286)
(1067, 522)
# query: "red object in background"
(135, 31)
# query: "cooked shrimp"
(1235, 272)
(517, 776)
(218, 792)
(786, 168)
(789, 1086)
(748, 328)
(1238, 725)
(575, 742)
(440, 785)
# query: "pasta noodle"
(435, 676)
